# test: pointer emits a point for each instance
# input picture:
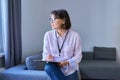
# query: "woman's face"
(56, 23)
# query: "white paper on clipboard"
(46, 61)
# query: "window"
(1, 41)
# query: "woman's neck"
(61, 31)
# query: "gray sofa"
(99, 64)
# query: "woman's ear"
(63, 21)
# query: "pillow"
(35, 65)
(104, 53)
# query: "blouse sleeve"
(46, 48)
(77, 53)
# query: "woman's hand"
(63, 63)
(49, 57)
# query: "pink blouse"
(71, 50)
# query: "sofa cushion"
(35, 65)
(104, 53)
(100, 70)
(19, 72)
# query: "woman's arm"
(77, 53)
(46, 49)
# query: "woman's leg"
(54, 72)
(73, 76)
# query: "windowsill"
(2, 54)
(2, 69)
(2, 61)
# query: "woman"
(62, 45)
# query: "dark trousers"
(55, 73)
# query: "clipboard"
(47, 61)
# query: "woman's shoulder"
(50, 32)
(74, 33)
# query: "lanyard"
(59, 49)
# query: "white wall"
(33, 27)
(97, 21)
